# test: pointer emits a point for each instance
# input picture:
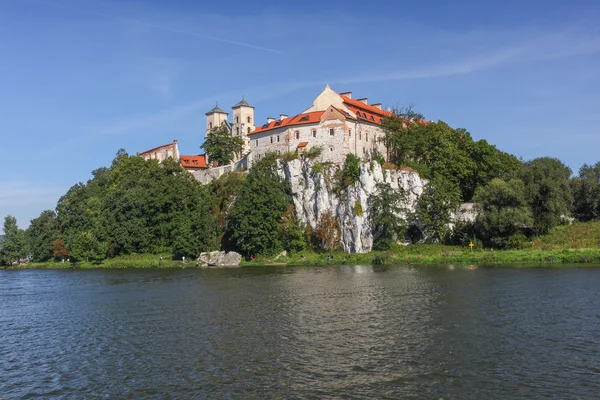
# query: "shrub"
(379, 259)
(379, 158)
(358, 211)
(350, 174)
(317, 168)
(314, 152)
(328, 232)
(289, 156)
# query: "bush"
(317, 168)
(314, 152)
(350, 174)
(379, 158)
(358, 211)
(289, 156)
(328, 232)
(379, 259)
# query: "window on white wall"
(349, 132)
(314, 133)
(256, 142)
(237, 131)
(367, 136)
(297, 133)
(249, 119)
(210, 125)
(277, 138)
(237, 120)
(331, 132)
(271, 139)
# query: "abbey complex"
(335, 122)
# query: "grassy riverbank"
(578, 243)
(126, 261)
(439, 254)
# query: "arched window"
(237, 120)
(210, 125)
(249, 120)
(248, 129)
(237, 131)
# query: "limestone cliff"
(314, 194)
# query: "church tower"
(215, 118)
(243, 122)
(243, 118)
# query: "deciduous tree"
(221, 146)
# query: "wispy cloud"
(160, 27)
(565, 43)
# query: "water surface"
(305, 332)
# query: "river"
(438, 332)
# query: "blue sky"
(81, 79)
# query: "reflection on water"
(319, 332)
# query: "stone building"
(335, 122)
(161, 153)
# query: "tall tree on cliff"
(437, 149)
(221, 146)
(253, 223)
(14, 244)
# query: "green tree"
(41, 235)
(547, 191)
(253, 223)
(291, 231)
(586, 193)
(14, 244)
(221, 146)
(503, 212)
(87, 246)
(436, 149)
(139, 206)
(435, 206)
(387, 215)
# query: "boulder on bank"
(219, 259)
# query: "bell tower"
(215, 118)
(243, 122)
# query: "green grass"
(580, 235)
(569, 244)
(125, 261)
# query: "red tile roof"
(198, 161)
(300, 119)
(302, 144)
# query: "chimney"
(365, 101)
(347, 94)
(377, 105)
(269, 120)
(282, 117)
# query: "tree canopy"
(548, 192)
(221, 146)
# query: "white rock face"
(314, 195)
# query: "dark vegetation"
(135, 206)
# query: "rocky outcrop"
(314, 194)
(219, 259)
